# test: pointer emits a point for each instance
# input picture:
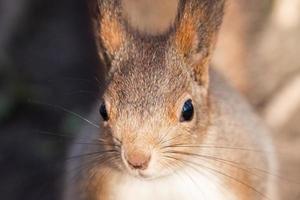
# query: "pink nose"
(138, 160)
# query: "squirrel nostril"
(138, 161)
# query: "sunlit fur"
(224, 152)
(230, 155)
(145, 108)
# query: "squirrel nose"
(138, 160)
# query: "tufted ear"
(108, 27)
(195, 34)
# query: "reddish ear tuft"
(108, 27)
(195, 34)
(186, 34)
(111, 33)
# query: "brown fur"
(150, 78)
(186, 35)
(111, 33)
(194, 45)
(108, 27)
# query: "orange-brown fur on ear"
(186, 35)
(111, 33)
(200, 62)
(109, 28)
(196, 31)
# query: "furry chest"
(184, 185)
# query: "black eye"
(187, 111)
(103, 112)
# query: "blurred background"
(47, 55)
(49, 64)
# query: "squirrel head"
(156, 96)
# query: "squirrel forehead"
(147, 77)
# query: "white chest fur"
(187, 185)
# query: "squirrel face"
(156, 99)
(153, 107)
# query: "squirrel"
(169, 126)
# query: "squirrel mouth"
(141, 174)
(144, 175)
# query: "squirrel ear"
(108, 28)
(196, 29)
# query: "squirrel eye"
(103, 112)
(187, 111)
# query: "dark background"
(47, 55)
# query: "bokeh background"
(47, 55)
(48, 61)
